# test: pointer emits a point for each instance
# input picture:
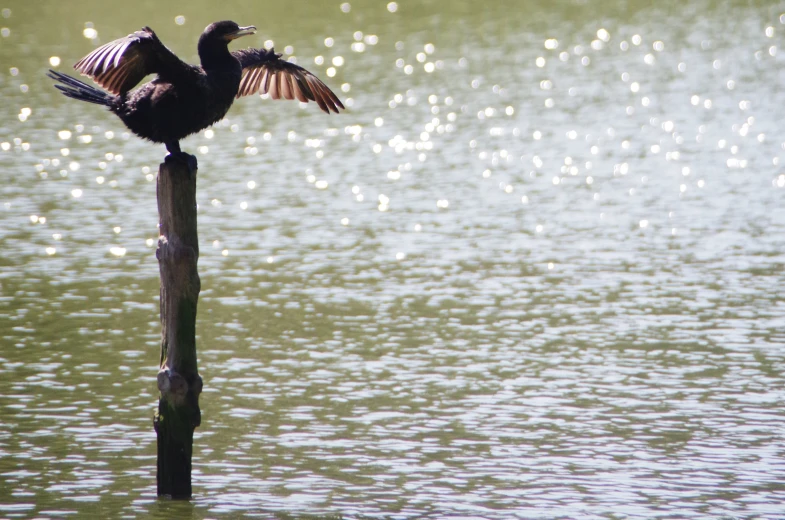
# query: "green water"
(535, 270)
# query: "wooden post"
(178, 378)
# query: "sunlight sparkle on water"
(89, 32)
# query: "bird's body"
(165, 112)
(184, 99)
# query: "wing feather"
(274, 85)
(264, 72)
(108, 57)
(286, 87)
(120, 53)
(317, 94)
(121, 64)
(298, 91)
(265, 84)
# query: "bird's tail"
(76, 89)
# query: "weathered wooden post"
(178, 378)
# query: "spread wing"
(265, 72)
(119, 65)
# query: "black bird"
(184, 99)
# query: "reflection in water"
(534, 268)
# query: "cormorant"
(184, 99)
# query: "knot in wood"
(173, 250)
(173, 386)
(196, 385)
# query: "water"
(537, 274)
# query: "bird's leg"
(173, 147)
(175, 154)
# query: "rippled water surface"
(534, 270)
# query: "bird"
(184, 99)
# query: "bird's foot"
(183, 158)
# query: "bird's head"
(226, 31)
(214, 41)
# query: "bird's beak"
(242, 31)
